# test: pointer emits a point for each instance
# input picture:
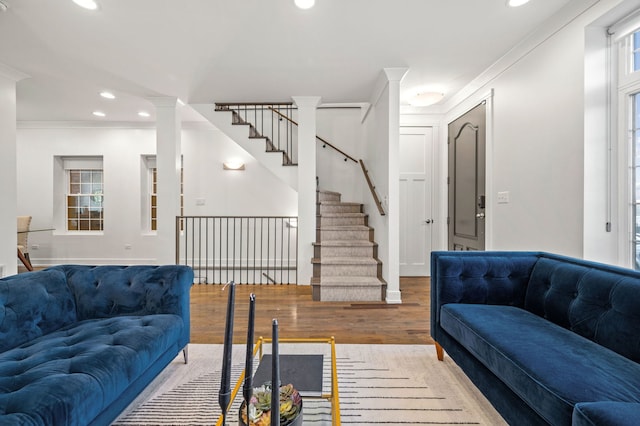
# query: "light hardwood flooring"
(300, 317)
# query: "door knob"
(428, 221)
(480, 215)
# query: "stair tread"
(345, 228)
(345, 214)
(346, 243)
(339, 203)
(323, 191)
(335, 280)
(346, 260)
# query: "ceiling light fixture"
(107, 95)
(516, 3)
(144, 114)
(305, 4)
(426, 98)
(99, 114)
(87, 4)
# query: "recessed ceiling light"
(144, 114)
(99, 114)
(426, 98)
(516, 3)
(305, 4)
(107, 95)
(87, 4)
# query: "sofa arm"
(108, 291)
(606, 413)
(496, 278)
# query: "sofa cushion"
(606, 414)
(69, 376)
(595, 301)
(549, 367)
(46, 306)
(107, 291)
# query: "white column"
(8, 171)
(168, 162)
(306, 184)
(394, 75)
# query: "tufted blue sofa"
(79, 343)
(547, 339)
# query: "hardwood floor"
(298, 316)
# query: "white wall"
(342, 128)
(254, 191)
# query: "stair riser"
(340, 208)
(325, 196)
(347, 252)
(325, 235)
(351, 294)
(342, 221)
(346, 270)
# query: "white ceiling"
(203, 51)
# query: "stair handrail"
(324, 141)
(372, 187)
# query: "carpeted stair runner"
(345, 263)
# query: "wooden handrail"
(372, 189)
(317, 137)
(227, 104)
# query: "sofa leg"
(185, 354)
(439, 352)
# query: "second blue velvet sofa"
(79, 343)
(547, 339)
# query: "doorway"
(416, 188)
(466, 180)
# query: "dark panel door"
(467, 137)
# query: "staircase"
(255, 139)
(345, 263)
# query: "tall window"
(629, 92)
(153, 192)
(84, 200)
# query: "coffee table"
(291, 361)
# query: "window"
(629, 94)
(84, 194)
(153, 193)
(635, 179)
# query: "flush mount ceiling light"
(87, 4)
(99, 114)
(516, 3)
(426, 98)
(107, 95)
(305, 4)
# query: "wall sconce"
(233, 165)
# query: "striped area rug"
(378, 384)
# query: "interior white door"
(416, 219)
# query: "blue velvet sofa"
(547, 339)
(79, 343)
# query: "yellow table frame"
(332, 397)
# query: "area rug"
(378, 384)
